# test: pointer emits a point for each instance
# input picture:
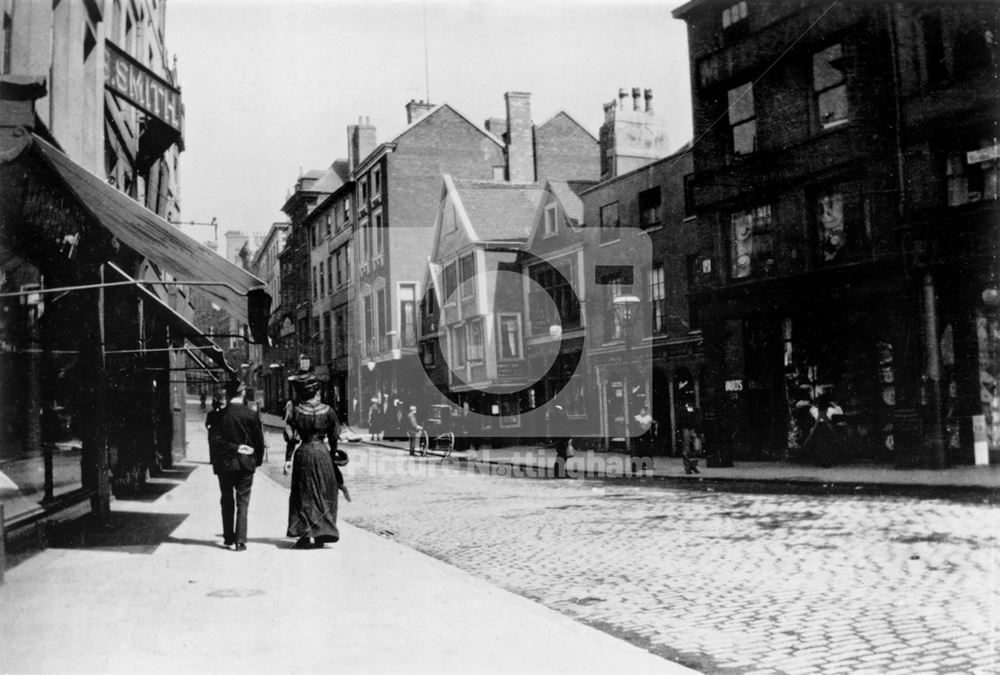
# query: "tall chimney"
(520, 138)
(631, 138)
(416, 109)
(360, 142)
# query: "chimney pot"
(622, 95)
(649, 100)
(636, 96)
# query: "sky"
(269, 86)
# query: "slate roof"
(332, 178)
(500, 211)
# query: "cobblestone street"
(719, 581)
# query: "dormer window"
(550, 226)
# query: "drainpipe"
(933, 436)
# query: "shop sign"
(741, 385)
(983, 155)
(138, 85)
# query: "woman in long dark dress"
(316, 478)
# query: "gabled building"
(472, 314)
(397, 189)
(397, 198)
(845, 187)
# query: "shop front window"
(973, 172)
(988, 343)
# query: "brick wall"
(565, 151)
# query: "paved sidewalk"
(612, 464)
(157, 593)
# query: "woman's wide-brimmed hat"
(306, 385)
(340, 458)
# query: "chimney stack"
(416, 109)
(360, 142)
(520, 138)
(631, 138)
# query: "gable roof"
(500, 211)
(381, 147)
(563, 113)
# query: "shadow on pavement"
(288, 543)
(119, 531)
(211, 543)
(159, 484)
(180, 472)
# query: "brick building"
(660, 372)
(398, 196)
(845, 189)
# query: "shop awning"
(180, 328)
(234, 289)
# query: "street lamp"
(626, 311)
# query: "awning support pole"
(100, 503)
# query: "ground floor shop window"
(988, 343)
(836, 358)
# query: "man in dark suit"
(236, 446)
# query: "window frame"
(819, 92)
(377, 235)
(646, 209)
(458, 347)
(657, 305)
(610, 232)
(449, 281)
(756, 214)
(466, 290)
(404, 290)
(735, 96)
(550, 223)
(475, 353)
(501, 317)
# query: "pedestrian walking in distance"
(559, 430)
(315, 467)
(690, 437)
(375, 420)
(413, 428)
(236, 448)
